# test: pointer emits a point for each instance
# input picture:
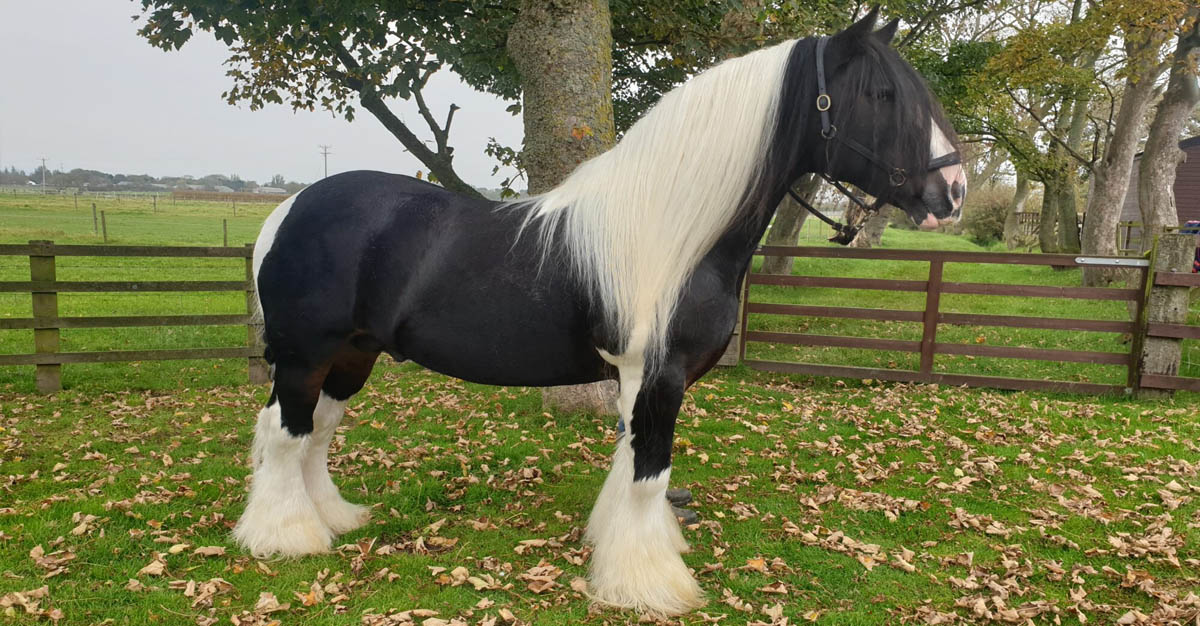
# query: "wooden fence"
(225, 196)
(1029, 222)
(1154, 323)
(1160, 300)
(46, 323)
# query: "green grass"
(776, 464)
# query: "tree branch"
(1075, 155)
(439, 134)
(439, 163)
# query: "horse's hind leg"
(280, 518)
(346, 377)
(636, 562)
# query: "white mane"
(635, 221)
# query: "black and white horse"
(628, 270)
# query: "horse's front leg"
(635, 563)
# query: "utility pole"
(43, 174)
(325, 154)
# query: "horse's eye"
(885, 94)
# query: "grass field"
(835, 502)
(838, 504)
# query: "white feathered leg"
(636, 562)
(340, 516)
(280, 518)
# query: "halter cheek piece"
(897, 176)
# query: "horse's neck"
(731, 255)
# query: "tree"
(277, 181)
(1144, 36)
(1162, 156)
(356, 54)
(563, 50)
(789, 221)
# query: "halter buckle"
(829, 133)
(824, 102)
(898, 177)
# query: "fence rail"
(46, 323)
(1145, 327)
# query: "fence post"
(735, 350)
(259, 372)
(48, 377)
(933, 297)
(1165, 304)
(224, 232)
(95, 221)
(104, 226)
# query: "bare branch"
(1050, 133)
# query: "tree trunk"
(1068, 218)
(789, 220)
(1012, 225)
(871, 234)
(1156, 171)
(978, 179)
(563, 51)
(1048, 223)
(1111, 177)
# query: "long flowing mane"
(634, 222)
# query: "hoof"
(679, 497)
(687, 517)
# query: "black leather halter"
(897, 176)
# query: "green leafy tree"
(351, 55)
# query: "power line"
(325, 154)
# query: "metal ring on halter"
(824, 99)
(829, 133)
(898, 177)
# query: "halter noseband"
(897, 176)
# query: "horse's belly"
(492, 345)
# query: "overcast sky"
(82, 89)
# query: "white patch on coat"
(266, 239)
(940, 145)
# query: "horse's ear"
(888, 32)
(863, 27)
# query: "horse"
(628, 270)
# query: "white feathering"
(636, 220)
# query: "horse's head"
(884, 131)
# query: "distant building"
(269, 190)
(222, 189)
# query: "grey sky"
(83, 90)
